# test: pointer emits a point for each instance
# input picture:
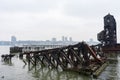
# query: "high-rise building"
(54, 39)
(63, 38)
(66, 39)
(70, 38)
(13, 39)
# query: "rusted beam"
(69, 60)
(93, 53)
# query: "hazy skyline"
(45, 19)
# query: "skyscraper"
(70, 38)
(63, 38)
(13, 39)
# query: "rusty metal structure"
(79, 57)
(108, 37)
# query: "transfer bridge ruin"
(80, 57)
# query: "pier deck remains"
(28, 48)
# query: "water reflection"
(9, 63)
(6, 62)
(45, 73)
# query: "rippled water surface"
(17, 70)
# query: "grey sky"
(44, 19)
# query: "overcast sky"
(45, 19)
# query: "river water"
(17, 70)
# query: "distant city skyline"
(53, 41)
(44, 19)
(63, 38)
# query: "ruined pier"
(80, 58)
